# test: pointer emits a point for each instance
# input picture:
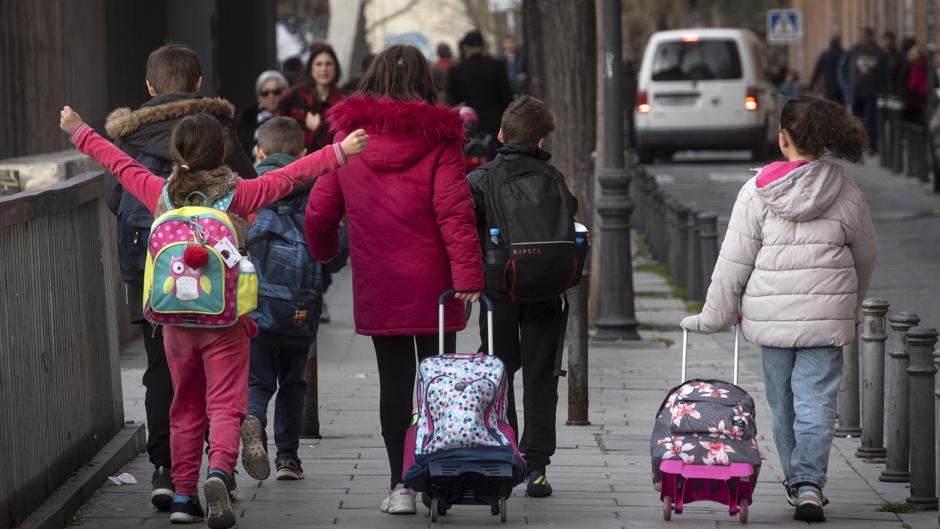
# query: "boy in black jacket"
(174, 77)
(527, 334)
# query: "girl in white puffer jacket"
(795, 264)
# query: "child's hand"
(69, 120)
(355, 143)
(471, 297)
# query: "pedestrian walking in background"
(795, 265)
(290, 289)
(825, 76)
(173, 80)
(912, 85)
(268, 89)
(527, 336)
(411, 231)
(445, 61)
(208, 365)
(895, 59)
(866, 63)
(513, 58)
(480, 82)
(314, 93)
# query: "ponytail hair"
(818, 126)
(197, 144)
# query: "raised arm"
(251, 195)
(135, 178)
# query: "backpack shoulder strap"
(224, 202)
(166, 196)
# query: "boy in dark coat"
(174, 77)
(527, 334)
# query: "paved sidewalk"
(601, 472)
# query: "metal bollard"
(672, 235)
(694, 260)
(897, 137)
(708, 247)
(682, 244)
(848, 392)
(897, 436)
(638, 192)
(921, 342)
(311, 401)
(881, 119)
(917, 148)
(650, 186)
(873, 378)
(659, 218)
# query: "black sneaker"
(809, 504)
(288, 467)
(163, 489)
(791, 494)
(186, 509)
(218, 500)
(254, 453)
(538, 485)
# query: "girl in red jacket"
(208, 366)
(411, 228)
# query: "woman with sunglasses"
(268, 88)
(314, 93)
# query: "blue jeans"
(279, 363)
(801, 386)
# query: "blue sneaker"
(186, 509)
(809, 504)
(538, 485)
(218, 500)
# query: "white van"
(704, 89)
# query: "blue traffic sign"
(784, 25)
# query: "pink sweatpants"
(209, 368)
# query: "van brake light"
(691, 37)
(750, 99)
(642, 102)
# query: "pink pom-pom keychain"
(195, 256)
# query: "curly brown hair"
(818, 126)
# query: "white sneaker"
(401, 500)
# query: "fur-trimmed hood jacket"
(796, 261)
(411, 226)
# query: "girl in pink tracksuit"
(209, 367)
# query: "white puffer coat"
(796, 261)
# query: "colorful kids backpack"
(195, 275)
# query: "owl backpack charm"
(193, 275)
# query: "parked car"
(705, 89)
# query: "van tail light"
(750, 100)
(642, 102)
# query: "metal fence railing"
(60, 379)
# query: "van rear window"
(695, 61)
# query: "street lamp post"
(616, 316)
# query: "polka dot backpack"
(195, 275)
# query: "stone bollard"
(682, 243)
(897, 435)
(656, 223)
(921, 342)
(873, 379)
(669, 221)
(693, 260)
(849, 397)
(672, 238)
(708, 247)
(638, 192)
(659, 228)
(650, 187)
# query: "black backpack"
(536, 256)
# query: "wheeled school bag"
(460, 448)
(704, 443)
(194, 274)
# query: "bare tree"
(560, 37)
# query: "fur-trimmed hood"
(400, 132)
(148, 129)
(215, 184)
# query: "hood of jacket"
(804, 193)
(148, 129)
(400, 132)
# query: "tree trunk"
(561, 50)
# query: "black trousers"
(526, 336)
(395, 356)
(158, 397)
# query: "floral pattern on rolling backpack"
(194, 274)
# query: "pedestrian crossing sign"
(784, 26)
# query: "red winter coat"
(411, 226)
